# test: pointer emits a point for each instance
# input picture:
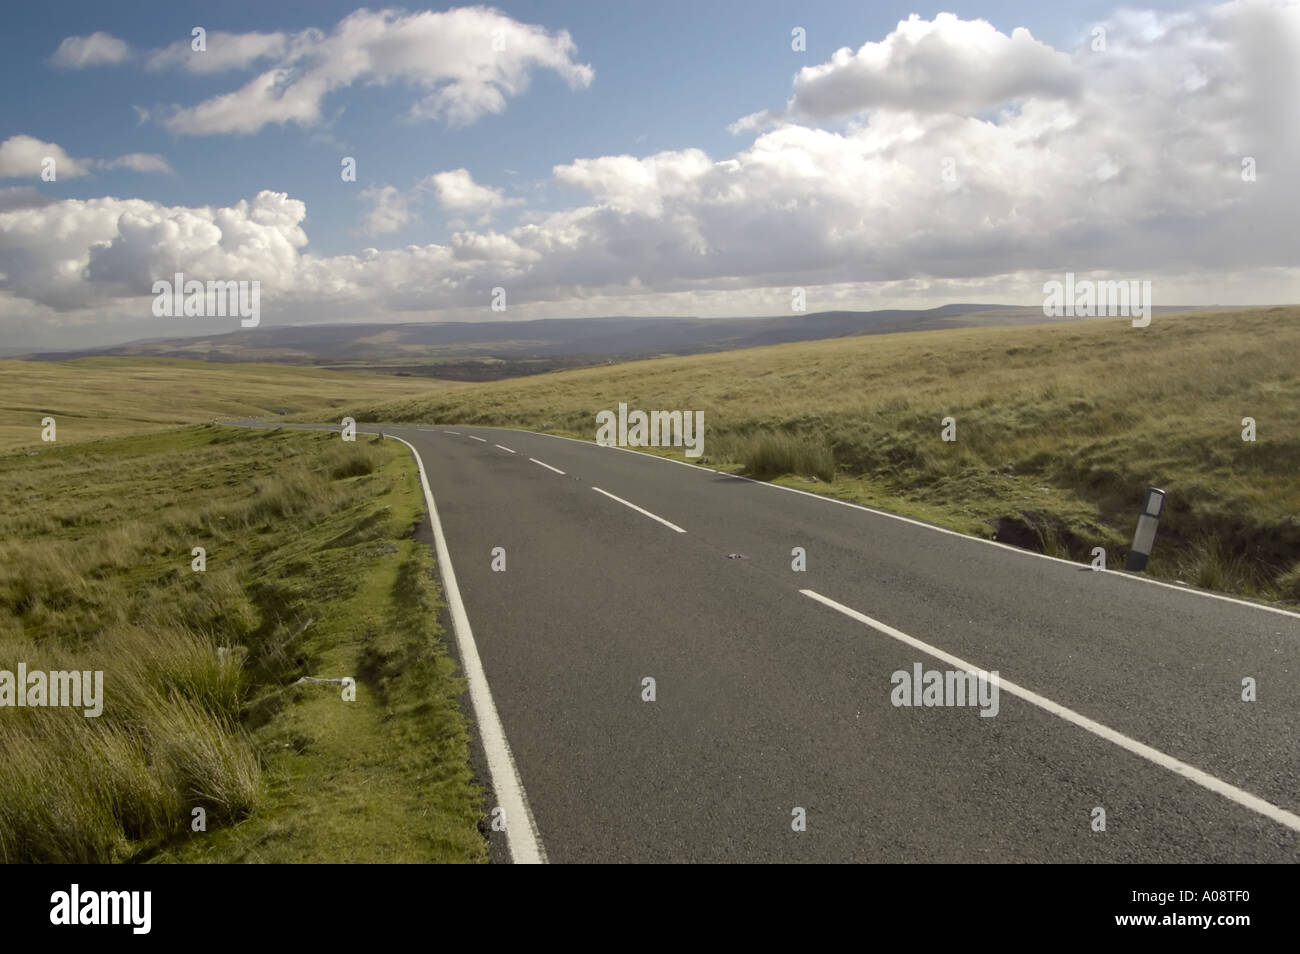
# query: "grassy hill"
(1060, 428)
(94, 398)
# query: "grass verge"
(312, 569)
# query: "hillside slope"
(94, 398)
(1060, 428)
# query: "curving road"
(773, 689)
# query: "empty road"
(773, 689)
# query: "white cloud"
(633, 185)
(465, 62)
(1136, 175)
(389, 211)
(23, 157)
(223, 51)
(98, 49)
(456, 191)
(75, 253)
(944, 65)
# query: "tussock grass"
(1289, 583)
(356, 460)
(1060, 428)
(95, 574)
(773, 454)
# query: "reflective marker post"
(1152, 505)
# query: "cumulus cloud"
(944, 65)
(463, 63)
(456, 191)
(389, 210)
(633, 185)
(1137, 174)
(76, 253)
(98, 49)
(23, 157)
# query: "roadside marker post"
(1152, 506)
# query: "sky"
(611, 158)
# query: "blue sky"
(669, 75)
(670, 80)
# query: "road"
(773, 689)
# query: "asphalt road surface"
(773, 692)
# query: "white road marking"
(522, 837)
(504, 448)
(547, 466)
(1137, 578)
(457, 433)
(479, 439)
(638, 509)
(1155, 756)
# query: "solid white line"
(479, 439)
(547, 466)
(929, 526)
(522, 837)
(638, 509)
(1155, 756)
(504, 448)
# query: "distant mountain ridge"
(494, 349)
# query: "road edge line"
(524, 848)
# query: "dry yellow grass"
(1060, 427)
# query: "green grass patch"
(312, 570)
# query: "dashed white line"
(479, 439)
(1155, 756)
(504, 448)
(457, 433)
(638, 509)
(1135, 577)
(547, 466)
(522, 837)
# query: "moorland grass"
(305, 537)
(1060, 428)
(97, 398)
